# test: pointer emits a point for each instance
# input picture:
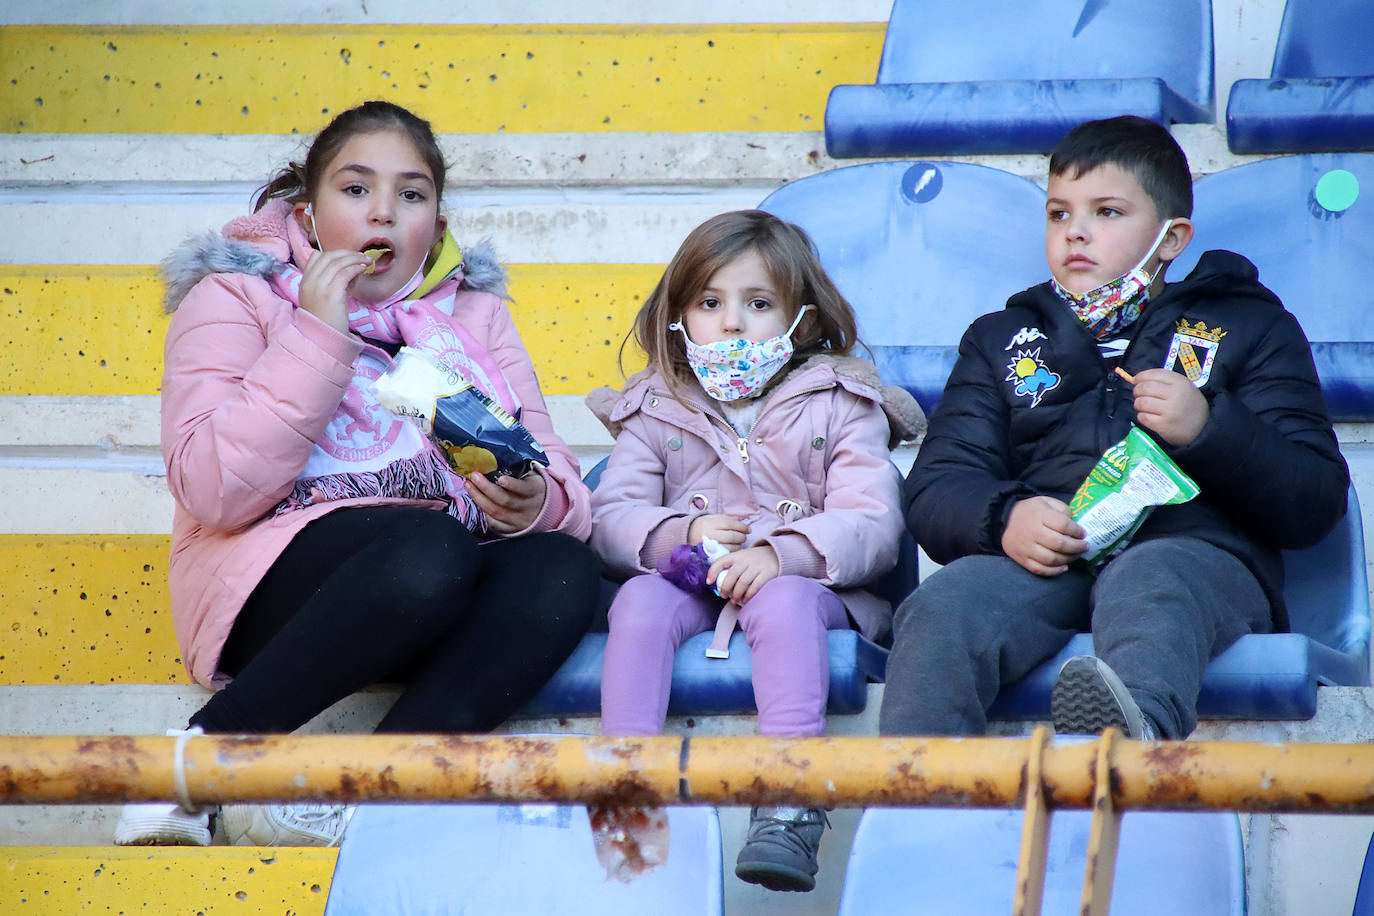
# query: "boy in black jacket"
(1223, 382)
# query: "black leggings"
(389, 593)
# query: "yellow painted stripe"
(79, 330)
(481, 79)
(99, 330)
(44, 880)
(82, 609)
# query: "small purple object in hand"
(686, 567)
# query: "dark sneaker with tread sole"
(780, 851)
(1088, 698)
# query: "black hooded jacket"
(1030, 406)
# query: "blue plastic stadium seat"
(1364, 894)
(1320, 93)
(1269, 676)
(508, 860)
(1013, 76)
(708, 686)
(723, 686)
(1307, 223)
(951, 862)
(920, 249)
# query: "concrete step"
(477, 163)
(119, 225)
(157, 12)
(46, 881)
(517, 78)
(93, 330)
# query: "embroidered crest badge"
(1194, 348)
(1031, 376)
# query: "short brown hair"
(1136, 145)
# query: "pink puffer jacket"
(249, 384)
(819, 485)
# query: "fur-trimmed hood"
(259, 244)
(905, 417)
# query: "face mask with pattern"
(729, 370)
(1116, 303)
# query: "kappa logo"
(1031, 376)
(1194, 348)
(1025, 336)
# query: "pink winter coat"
(819, 485)
(249, 385)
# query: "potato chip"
(373, 254)
(469, 458)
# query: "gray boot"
(780, 851)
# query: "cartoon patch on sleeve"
(1031, 376)
(1194, 347)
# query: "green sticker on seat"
(1337, 190)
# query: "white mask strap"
(310, 214)
(1159, 240)
(796, 321)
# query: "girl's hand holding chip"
(511, 504)
(325, 281)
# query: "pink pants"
(785, 625)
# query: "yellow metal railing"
(1107, 775)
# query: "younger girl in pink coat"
(755, 433)
(322, 543)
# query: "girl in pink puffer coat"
(321, 543)
(755, 433)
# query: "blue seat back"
(960, 861)
(1320, 92)
(920, 249)
(1023, 40)
(1327, 591)
(1307, 223)
(1364, 894)
(1007, 76)
(510, 859)
(1319, 38)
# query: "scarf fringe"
(422, 476)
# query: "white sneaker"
(284, 825)
(163, 823)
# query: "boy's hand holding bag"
(1121, 490)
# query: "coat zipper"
(742, 442)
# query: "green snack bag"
(1127, 482)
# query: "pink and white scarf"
(367, 451)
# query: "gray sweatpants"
(1158, 613)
